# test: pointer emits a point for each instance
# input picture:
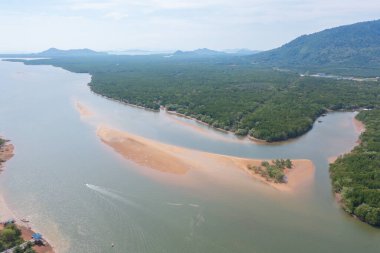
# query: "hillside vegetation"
(356, 176)
(349, 50)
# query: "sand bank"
(83, 111)
(177, 160)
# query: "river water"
(83, 196)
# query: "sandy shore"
(83, 111)
(6, 153)
(222, 136)
(178, 160)
(359, 126)
(27, 235)
(203, 132)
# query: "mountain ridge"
(349, 46)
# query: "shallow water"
(83, 196)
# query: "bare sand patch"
(178, 160)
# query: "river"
(83, 196)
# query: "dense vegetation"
(226, 92)
(356, 176)
(274, 171)
(10, 236)
(349, 50)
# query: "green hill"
(349, 50)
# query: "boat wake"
(180, 204)
(112, 194)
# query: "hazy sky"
(33, 25)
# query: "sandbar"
(178, 160)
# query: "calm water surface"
(83, 196)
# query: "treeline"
(356, 176)
(10, 236)
(226, 92)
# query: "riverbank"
(6, 153)
(352, 172)
(178, 160)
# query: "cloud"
(92, 5)
(115, 15)
(174, 24)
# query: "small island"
(274, 171)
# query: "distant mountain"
(54, 52)
(241, 51)
(199, 52)
(349, 46)
(139, 52)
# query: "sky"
(35, 25)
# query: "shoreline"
(359, 128)
(6, 153)
(238, 137)
(243, 138)
(180, 161)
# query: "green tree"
(361, 211)
(373, 216)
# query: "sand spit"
(178, 160)
(83, 111)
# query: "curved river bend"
(83, 196)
